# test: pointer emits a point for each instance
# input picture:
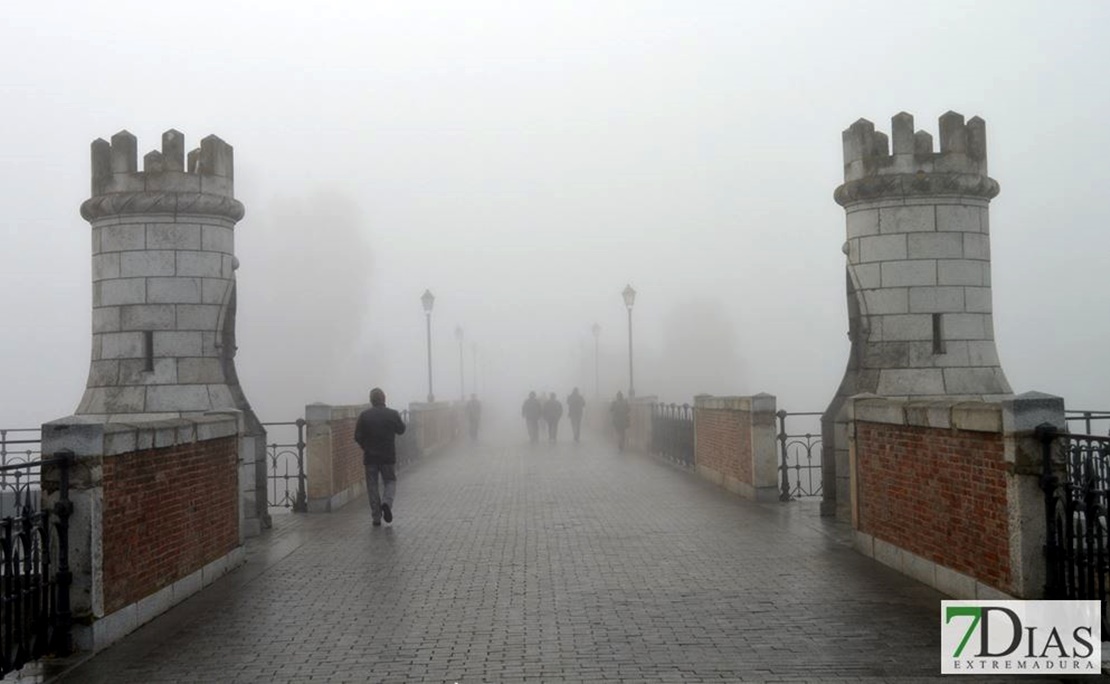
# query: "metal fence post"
(784, 494)
(301, 503)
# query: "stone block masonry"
(163, 262)
(163, 292)
(918, 273)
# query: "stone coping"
(1019, 413)
(326, 412)
(755, 403)
(87, 437)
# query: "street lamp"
(629, 299)
(597, 374)
(462, 387)
(428, 300)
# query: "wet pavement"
(567, 563)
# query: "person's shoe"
(377, 523)
(387, 513)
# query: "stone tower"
(918, 271)
(163, 271)
(164, 297)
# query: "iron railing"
(1088, 422)
(285, 476)
(19, 487)
(35, 578)
(799, 470)
(1075, 479)
(672, 432)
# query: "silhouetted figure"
(575, 405)
(532, 410)
(622, 417)
(473, 416)
(552, 412)
(375, 431)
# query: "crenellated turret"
(163, 268)
(872, 170)
(920, 312)
(165, 185)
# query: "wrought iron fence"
(35, 578)
(672, 432)
(19, 486)
(285, 477)
(800, 454)
(1075, 478)
(1088, 422)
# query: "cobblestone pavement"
(560, 564)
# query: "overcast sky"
(525, 160)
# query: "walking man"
(622, 417)
(375, 431)
(552, 412)
(473, 416)
(575, 404)
(531, 412)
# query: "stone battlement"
(201, 182)
(905, 164)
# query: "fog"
(525, 161)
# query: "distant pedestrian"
(375, 431)
(532, 410)
(473, 416)
(575, 404)
(552, 412)
(622, 417)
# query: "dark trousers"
(552, 430)
(533, 431)
(388, 474)
(576, 426)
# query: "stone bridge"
(510, 562)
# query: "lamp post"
(629, 299)
(597, 373)
(462, 387)
(428, 300)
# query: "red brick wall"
(938, 493)
(724, 442)
(346, 455)
(166, 514)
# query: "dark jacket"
(375, 430)
(531, 409)
(552, 410)
(575, 404)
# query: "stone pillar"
(918, 273)
(765, 462)
(1020, 417)
(163, 291)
